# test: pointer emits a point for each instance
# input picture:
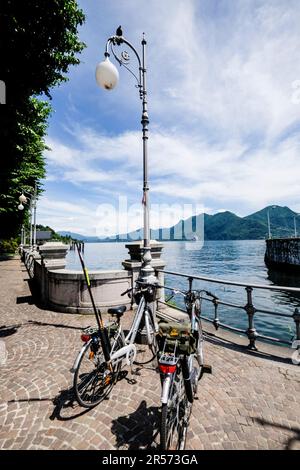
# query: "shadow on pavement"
(137, 430)
(29, 400)
(292, 440)
(66, 407)
(56, 325)
(25, 299)
(227, 344)
(8, 330)
(7, 257)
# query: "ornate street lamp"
(32, 209)
(107, 77)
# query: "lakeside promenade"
(250, 401)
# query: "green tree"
(38, 42)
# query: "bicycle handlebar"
(127, 291)
(175, 291)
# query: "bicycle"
(97, 366)
(181, 365)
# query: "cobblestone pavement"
(246, 403)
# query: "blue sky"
(224, 108)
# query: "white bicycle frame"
(128, 351)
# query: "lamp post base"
(147, 274)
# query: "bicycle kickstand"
(131, 380)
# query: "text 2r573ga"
(167, 459)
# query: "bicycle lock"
(104, 339)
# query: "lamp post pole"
(107, 76)
(34, 216)
(22, 236)
(32, 211)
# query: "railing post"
(190, 279)
(251, 332)
(216, 321)
(296, 317)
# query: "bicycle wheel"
(200, 339)
(189, 372)
(147, 352)
(192, 370)
(93, 381)
(175, 416)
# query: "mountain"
(228, 226)
(78, 236)
(220, 226)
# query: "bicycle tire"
(174, 417)
(192, 365)
(187, 370)
(98, 377)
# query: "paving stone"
(247, 403)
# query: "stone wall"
(66, 291)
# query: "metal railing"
(29, 263)
(249, 308)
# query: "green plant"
(38, 43)
(9, 246)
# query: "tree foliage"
(38, 42)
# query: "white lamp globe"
(107, 75)
(22, 198)
(20, 207)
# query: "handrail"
(249, 307)
(233, 283)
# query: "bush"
(9, 246)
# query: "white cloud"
(187, 168)
(220, 78)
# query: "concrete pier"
(283, 254)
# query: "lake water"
(241, 261)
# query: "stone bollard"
(135, 250)
(53, 255)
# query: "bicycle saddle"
(118, 311)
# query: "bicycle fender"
(166, 389)
(76, 363)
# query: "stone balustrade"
(65, 290)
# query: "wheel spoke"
(90, 384)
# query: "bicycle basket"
(173, 334)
